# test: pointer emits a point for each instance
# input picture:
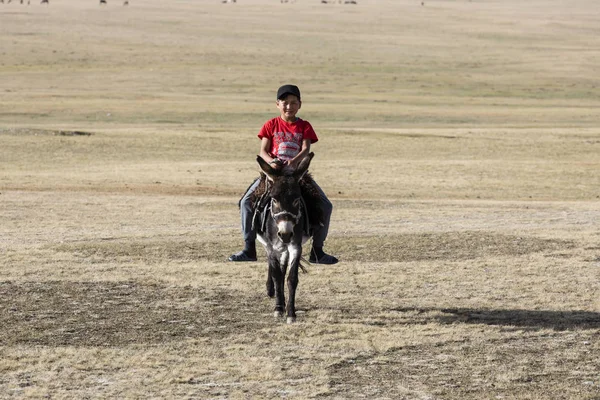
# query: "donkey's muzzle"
(285, 230)
(285, 237)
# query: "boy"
(285, 140)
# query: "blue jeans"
(246, 213)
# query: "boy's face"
(289, 106)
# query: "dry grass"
(459, 145)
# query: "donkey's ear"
(303, 166)
(270, 172)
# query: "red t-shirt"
(286, 138)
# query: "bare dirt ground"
(459, 144)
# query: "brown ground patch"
(533, 365)
(36, 132)
(147, 251)
(445, 246)
(118, 313)
(451, 246)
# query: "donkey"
(284, 233)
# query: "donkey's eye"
(297, 203)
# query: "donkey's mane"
(309, 191)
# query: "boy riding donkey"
(285, 140)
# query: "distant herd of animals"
(102, 2)
(126, 2)
(293, 1)
(22, 2)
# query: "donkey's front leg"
(278, 276)
(270, 283)
(292, 280)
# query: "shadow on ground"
(524, 319)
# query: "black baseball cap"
(288, 89)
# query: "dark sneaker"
(241, 256)
(325, 259)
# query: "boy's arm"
(265, 146)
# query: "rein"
(295, 217)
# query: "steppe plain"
(459, 144)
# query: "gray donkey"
(284, 232)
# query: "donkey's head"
(286, 198)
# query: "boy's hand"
(276, 163)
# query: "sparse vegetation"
(460, 148)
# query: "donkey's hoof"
(278, 314)
(291, 320)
